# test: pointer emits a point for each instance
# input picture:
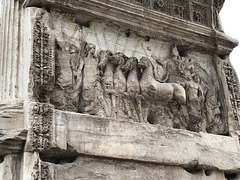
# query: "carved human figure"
(215, 125)
(174, 66)
(195, 100)
(133, 89)
(68, 77)
(89, 102)
(106, 71)
(177, 60)
(120, 86)
(188, 68)
(194, 90)
(74, 61)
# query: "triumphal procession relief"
(117, 89)
(84, 70)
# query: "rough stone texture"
(10, 167)
(108, 71)
(12, 141)
(93, 168)
(11, 115)
(117, 89)
(145, 142)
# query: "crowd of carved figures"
(76, 77)
(170, 92)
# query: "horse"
(153, 90)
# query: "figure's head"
(196, 78)
(73, 49)
(91, 48)
(174, 50)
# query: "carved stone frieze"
(144, 3)
(233, 89)
(93, 73)
(43, 57)
(200, 14)
(171, 92)
(41, 171)
(41, 119)
(162, 6)
(117, 89)
(217, 6)
(197, 11)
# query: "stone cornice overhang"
(146, 22)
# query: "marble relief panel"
(109, 71)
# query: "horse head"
(118, 58)
(144, 63)
(103, 59)
(130, 64)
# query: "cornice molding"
(146, 22)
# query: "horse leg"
(179, 94)
(127, 107)
(139, 106)
(145, 111)
(113, 113)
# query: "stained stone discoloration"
(126, 89)
(93, 168)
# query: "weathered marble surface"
(12, 141)
(144, 142)
(145, 22)
(92, 168)
(89, 69)
(10, 167)
(12, 115)
(95, 57)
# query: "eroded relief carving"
(162, 5)
(201, 112)
(43, 58)
(41, 171)
(197, 11)
(218, 4)
(171, 92)
(70, 56)
(41, 119)
(233, 88)
(200, 14)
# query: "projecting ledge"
(144, 21)
(103, 137)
